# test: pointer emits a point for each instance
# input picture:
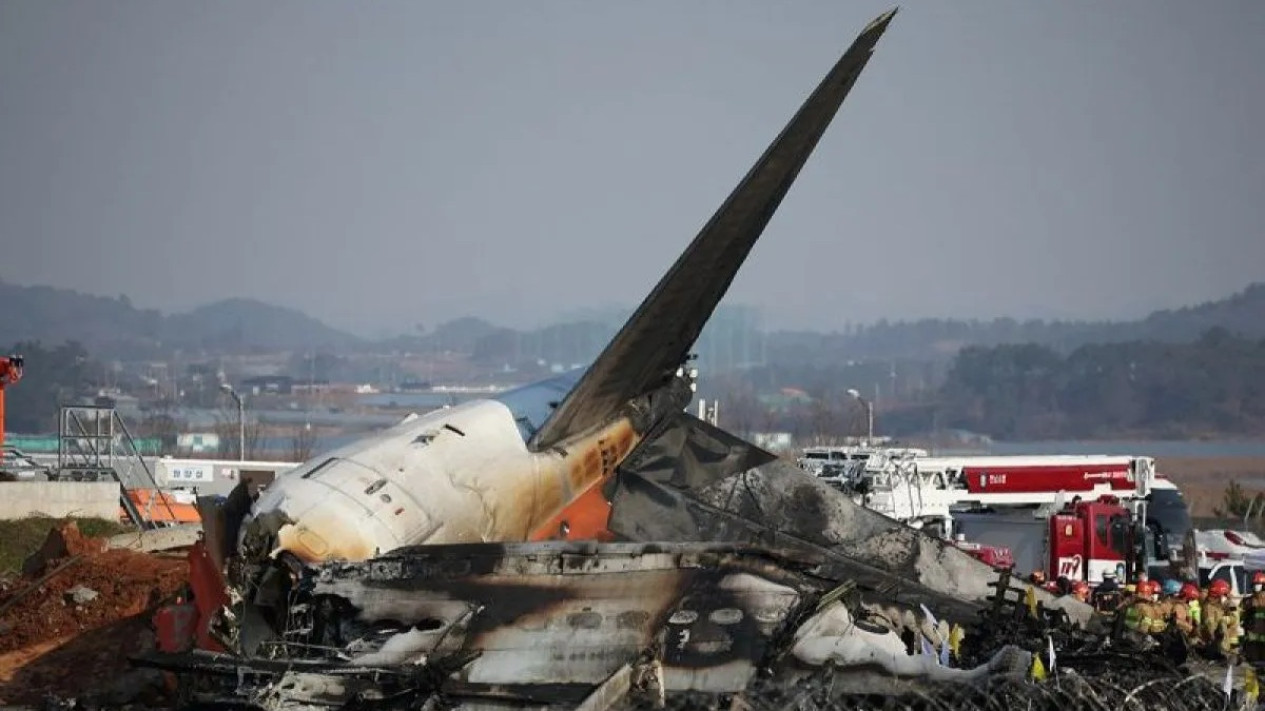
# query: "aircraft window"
(815, 455)
(453, 429)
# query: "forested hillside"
(1215, 384)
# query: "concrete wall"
(22, 499)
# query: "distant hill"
(1242, 314)
(252, 324)
(114, 327)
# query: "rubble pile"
(70, 622)
(1117, 685)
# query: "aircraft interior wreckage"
(581, 540)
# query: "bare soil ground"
(69, 623)
(1203, 480)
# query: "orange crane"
(10, 373)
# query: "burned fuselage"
(547, 623)
(548, 614)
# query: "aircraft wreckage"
(575, 541)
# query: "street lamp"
(869, 414)
(241, 420)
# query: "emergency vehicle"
(1081, 542)
(926, 491)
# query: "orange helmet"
(1080, 587)
(1189, 592)
(1148, 588)
(1219, 588)
(1258, 578)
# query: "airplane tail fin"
(655, 341)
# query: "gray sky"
(387, 163)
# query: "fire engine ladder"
(906, 472)
(94, 444)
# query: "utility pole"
(869, 414)
(241, 420)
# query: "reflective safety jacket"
(1179, 612)
(1144, 617)
(1220, 625)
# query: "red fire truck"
(934, 491)
(1081, 542)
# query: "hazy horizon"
(381, 165)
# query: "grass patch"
(21, 538)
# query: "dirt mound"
(72, 632)
(64, 541)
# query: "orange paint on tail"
(585, 518)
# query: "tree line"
(1213, 385)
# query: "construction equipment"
(10, 373)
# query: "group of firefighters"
(1210, 619)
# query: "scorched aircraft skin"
(531, 465)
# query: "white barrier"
(59, 499)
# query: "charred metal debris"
(596, 626)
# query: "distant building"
(198, 442)
(268, 384)
(313, 386)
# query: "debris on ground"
(1113, 687)
(70, 622)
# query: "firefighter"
(1173, 608)
(1186, 611)
(1253, 622)
(1142, 615)
(1063, 585)
(1194, 602)
(1080, 591)
(1107, 597)
(1219, 622)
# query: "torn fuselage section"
(531, 624)
(542, 616)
